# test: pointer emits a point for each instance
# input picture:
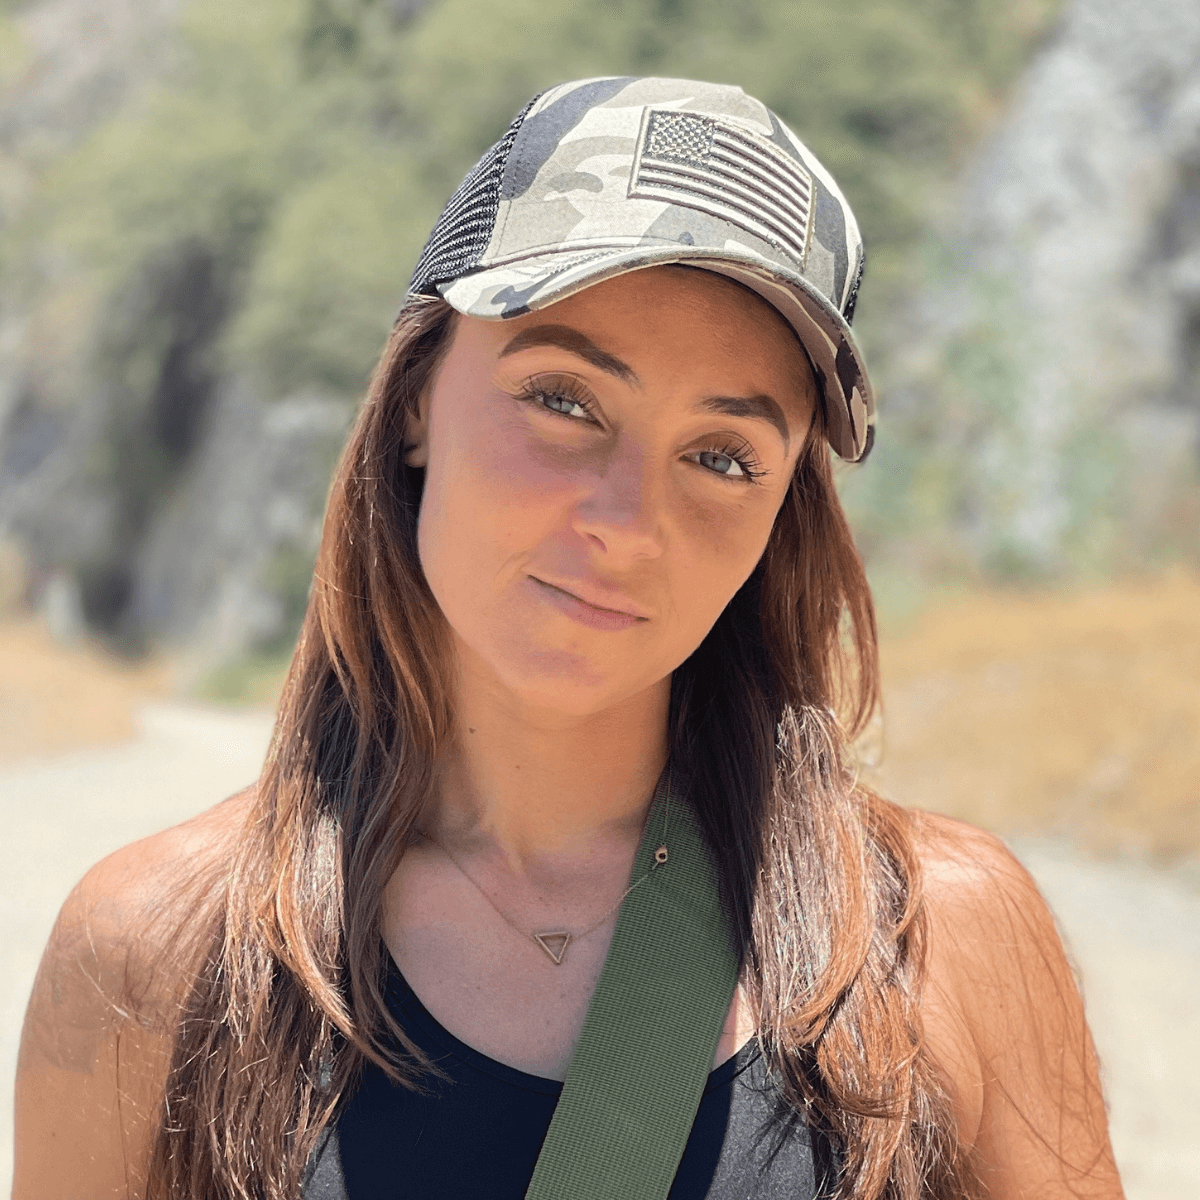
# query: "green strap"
(651, 1031)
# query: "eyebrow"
(574, 342)
(761, 407)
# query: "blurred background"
(208, 213)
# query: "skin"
(582, 448)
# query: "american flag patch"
(717, 167)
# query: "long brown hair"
(820, 876)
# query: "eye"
(721, 463)
(560, 394)
(734, 462)
(557, 402)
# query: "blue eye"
(559, 394)
(553, 401)
(733, 462)
(723, 464)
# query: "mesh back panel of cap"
(465, 227)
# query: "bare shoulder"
(1005, 1020)
(983, 905)
(127, 883)
(105, 953)
(124, 891)
(991, 933)
(99, 1030)
(964, 865)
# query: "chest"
(487, 980)
(477, 1130)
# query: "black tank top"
(477, 1136)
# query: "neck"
(530, 782)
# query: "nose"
(620, 513)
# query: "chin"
(563, 681)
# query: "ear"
(416, 435)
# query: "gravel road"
(1134, 932)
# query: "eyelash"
(744, 457)
(741, 454)
(567, 389)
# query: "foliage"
(306, 145)
(12, 49)
(258, 212)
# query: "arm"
(96, 1045)
(85, 1075)
(1005, 1020)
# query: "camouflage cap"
(602, 176)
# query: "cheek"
(719, 546)
(490, 494)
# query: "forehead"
(674, 318)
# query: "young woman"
(584, 537)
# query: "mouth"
(616, 606)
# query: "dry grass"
(1074, 713)
(56, 698)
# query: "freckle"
(470, 730)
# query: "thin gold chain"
(660, 857)
(524, 933)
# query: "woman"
(569, 555)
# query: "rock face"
(225, 564)
(81, 59)
(193, 516)
(1056, 358)
(66, 66)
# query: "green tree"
(259, 211)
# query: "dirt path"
(57, 698)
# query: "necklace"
(554, 942)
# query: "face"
(602, 476)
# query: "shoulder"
(992, 942)
(125, 882)
(954, 850)
(985, 912)
(967, 871)
(1004, 1019)
(119, 924)
(99, 1030)
(117, 899)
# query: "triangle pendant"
(554, 943)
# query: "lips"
(598, 598)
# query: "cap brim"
(532, 282)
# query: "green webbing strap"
(651, 1031)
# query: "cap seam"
(631, 242)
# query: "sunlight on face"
(602, 476)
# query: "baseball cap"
(598, 177)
